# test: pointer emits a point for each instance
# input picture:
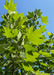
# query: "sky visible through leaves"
(46, 6)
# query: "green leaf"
(30, 58)
(11, 2)
(49, 34)
(13, 56)
(27, 68)
(42, 74)
(35, 36)
(6, 5)
(45, 54)
(36, 54)
(2, 48)
(16, 16)
(52, 51)
(10, 33)
(29, 47)
(43, 64)
(44, 19)
(10, 6)
(30, 14)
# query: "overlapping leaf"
(35, 36)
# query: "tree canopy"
(24, 48)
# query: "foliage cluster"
(23, 44)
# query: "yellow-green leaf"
(44, 19)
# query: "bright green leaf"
(44, 19)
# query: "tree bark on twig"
(21, 72)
